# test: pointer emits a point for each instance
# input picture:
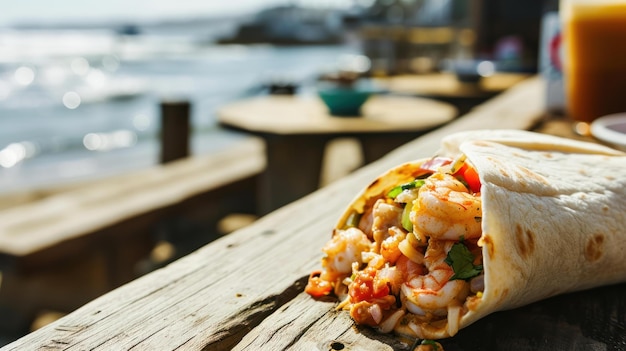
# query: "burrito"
(498, 219)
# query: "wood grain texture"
(244, 291)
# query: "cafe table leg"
(293, 169)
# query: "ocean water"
(77, 104)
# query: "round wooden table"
(446, 87)
(296, 130)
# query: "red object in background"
(555, 51)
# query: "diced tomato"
(434, 163)
(470, 176)
(316, 286)
(366, 287)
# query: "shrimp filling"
(413, 256)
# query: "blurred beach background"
(80, 84)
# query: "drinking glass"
(594, 39)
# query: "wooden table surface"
(296, 130)
(446, 87)
(447, 84)
(245, 291)
(292, 114)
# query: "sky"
(14, 12)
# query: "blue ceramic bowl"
(345, 101)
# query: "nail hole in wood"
(336, 345)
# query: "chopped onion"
(376, 313)
(390, 323)
(416, 329)
(416, 241)
(409, 251)
(454, 316)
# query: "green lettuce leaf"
(461, 259)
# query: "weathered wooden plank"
(37, 225)
(252, 278)
(207, 296)
(297, 325)
(59, 252)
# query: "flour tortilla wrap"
(554, 217)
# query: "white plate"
(611, 129)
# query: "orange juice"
(595, 58)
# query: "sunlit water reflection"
(77, 104)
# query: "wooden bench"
(61, 249)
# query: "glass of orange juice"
(594, 38)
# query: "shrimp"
(386, 216)
(389, 248)
(446, 210)
(344, 248)
(434, 292)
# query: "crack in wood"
(182, 346)
(285, 325)
(60, 342)
(69, 328)
(300, 334)
(148, 337)
(247, 319)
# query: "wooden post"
(175, 130)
